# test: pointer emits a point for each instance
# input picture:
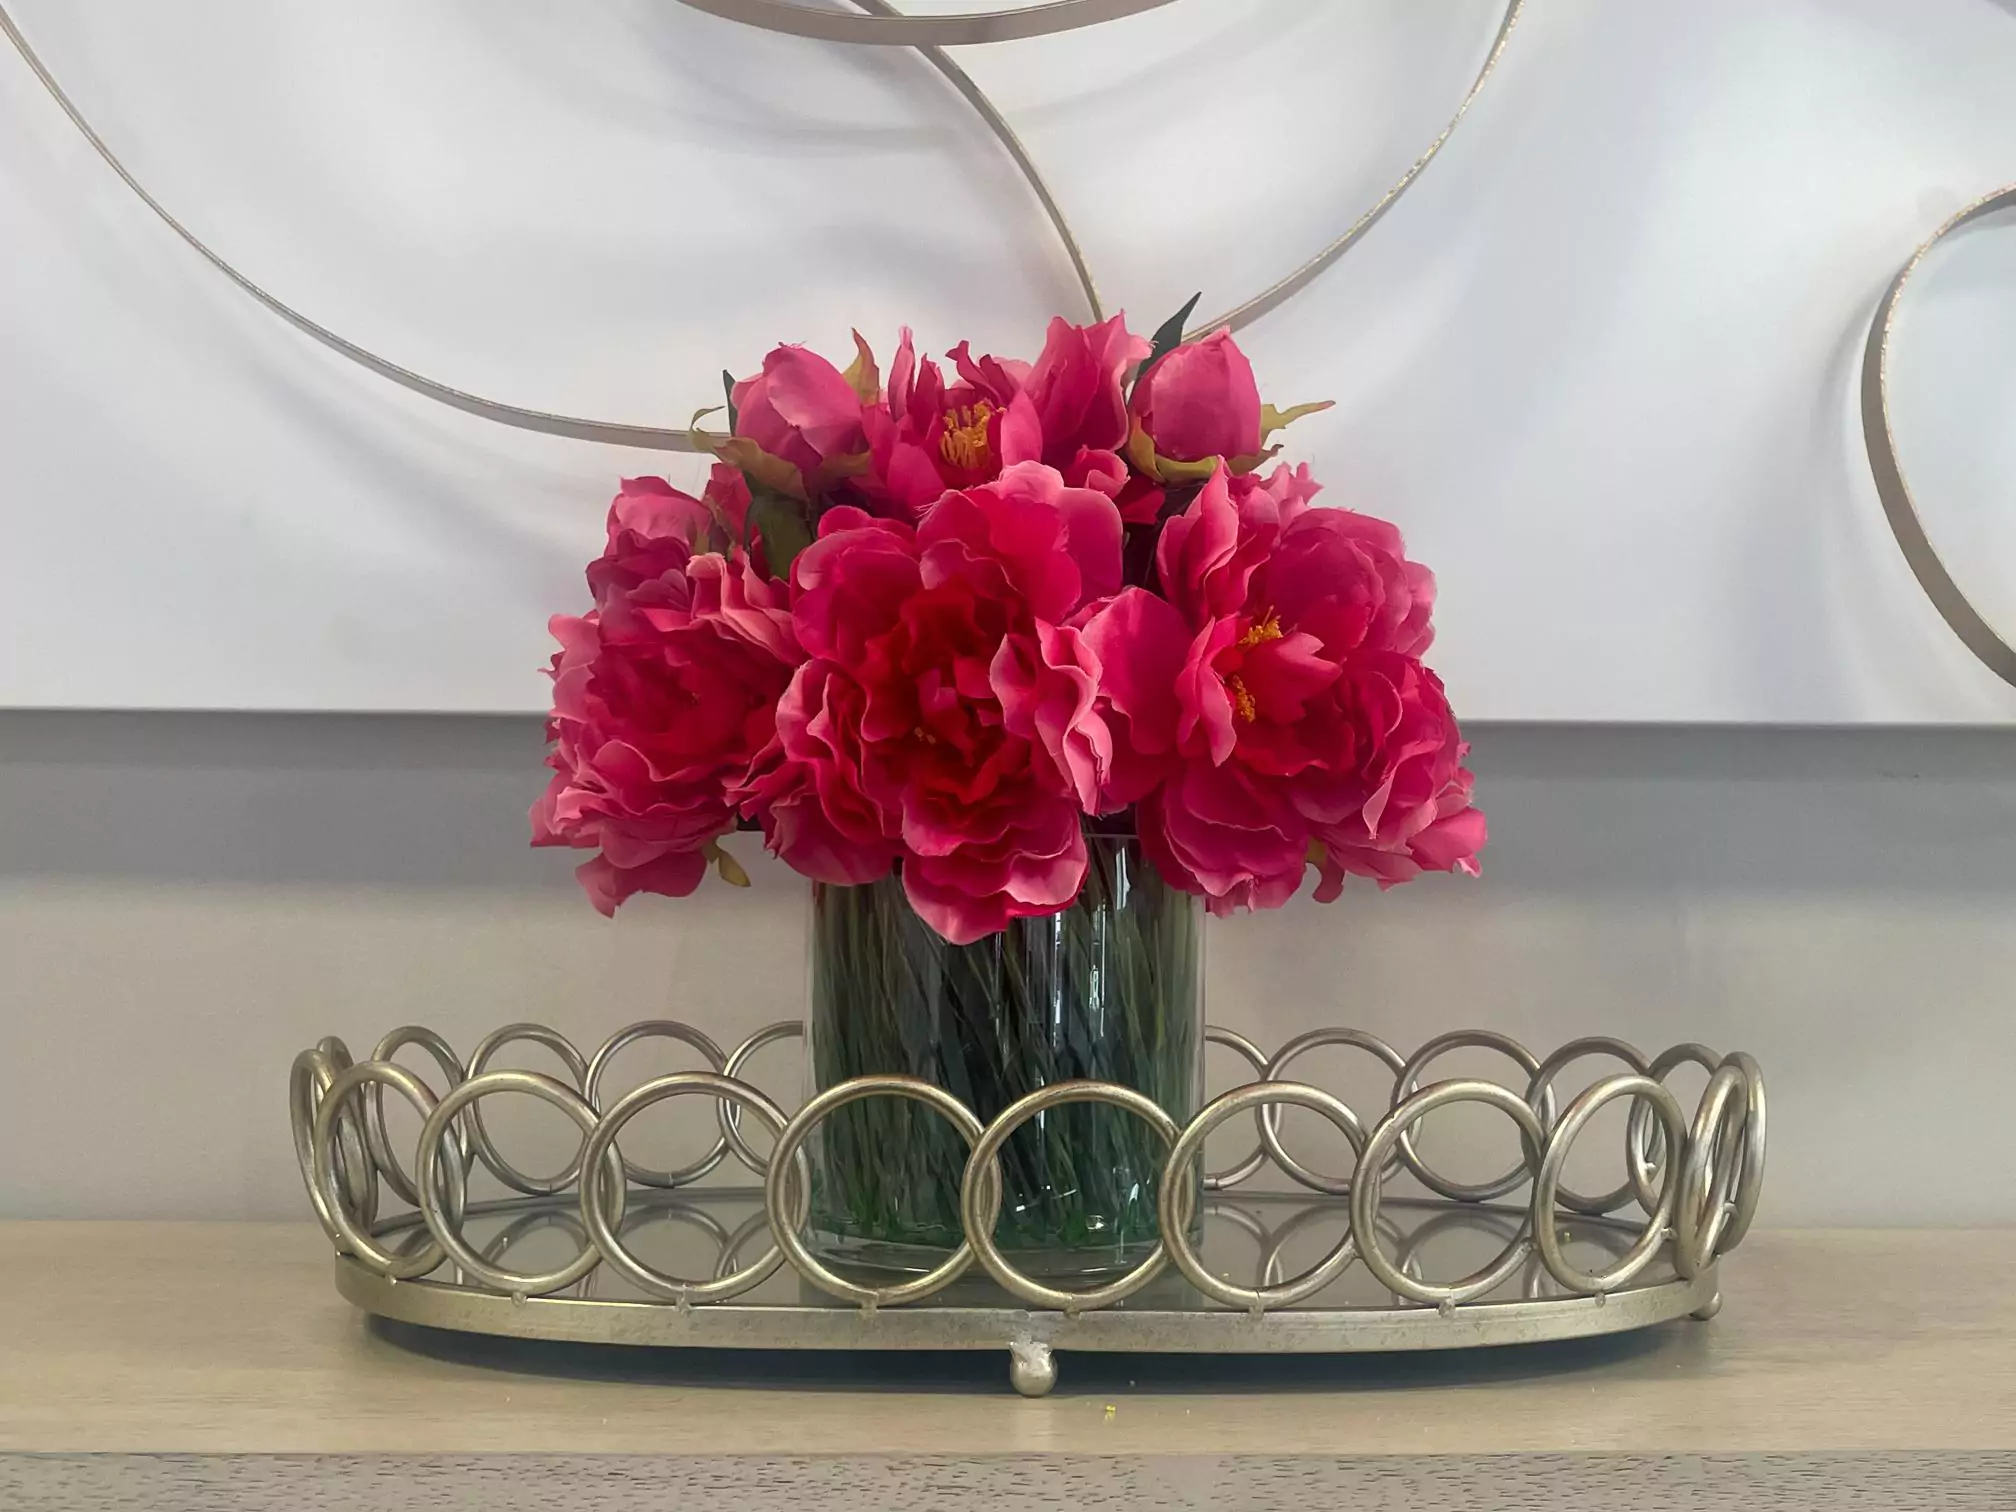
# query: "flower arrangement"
(933, 629)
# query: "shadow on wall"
(418, 801)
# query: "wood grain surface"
(1882, 1482)
(218, 1340)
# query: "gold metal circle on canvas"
(1879, 436)
(879, 16)
(888, 27)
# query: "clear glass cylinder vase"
(1111, 989)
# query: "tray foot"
(1032, 1369)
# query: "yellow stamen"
(964, 444)
(1268, 629)
(1242, 701)
(1257, 634)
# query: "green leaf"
(702, 440)
(761, 469)
(728, 388)
(1168, 335)
(1272, 419)
(782, 525)
(730, 869)
(1148, 461)
(862, 375)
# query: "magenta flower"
(800, 408)
(1297, 723)
(664, 695)
(929, 436)
(1007, 597)
(945, 717)
(1200, 401)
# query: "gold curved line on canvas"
(1279, 293)
(975, 96)
(660, 438)
(1880, 436)
(609, 432)
(891, 28)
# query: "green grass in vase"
(1106, 990)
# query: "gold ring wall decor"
(1880, 436)
(878, 22)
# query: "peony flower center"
(964, 444)
(1257, 634)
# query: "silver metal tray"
(639, 1257)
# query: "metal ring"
(731, 1118)
(400, 1267)
(1221, 1181)
(479, 1134)
(756, 1223)
(1176, 1196)
(1543, 1082)
(1641, 1156)
(1365, 1194)
(596, 1156)
(1990, 646)
(1270, 1117)
(375, 1137)
(1403, 1088)
(446, 1226)
(980, 1194)
(790, 1153)
(1224, 1211)
(1750, 1181)
(531, 1223)
(591, 1089)
(889, 30)
(1494, 1223)
(639, 1217)
(1708, 1171)
(308, 1083)
(1547, 1188)
(1308, 1216)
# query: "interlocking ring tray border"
(1696, 1206)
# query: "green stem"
(1107, 990)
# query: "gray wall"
(186, 900)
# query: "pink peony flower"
(800, 408)
(946, 717)
(928, 436)
(1298, 722)
(664, 696)
(1076, 388)
(1200, 401)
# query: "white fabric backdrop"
(1599, 363)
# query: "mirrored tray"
(631, 1256)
